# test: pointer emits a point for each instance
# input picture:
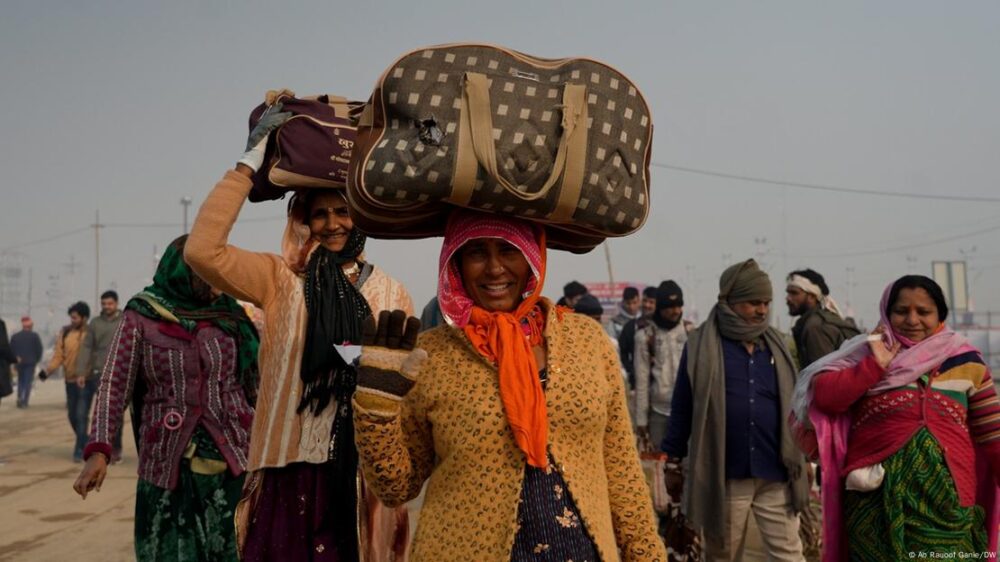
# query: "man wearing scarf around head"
(735, 380)
(821, 328)
(192, 354)
(304, 499)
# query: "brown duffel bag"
(311, 149)
(562, 142)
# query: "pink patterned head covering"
(463, 226)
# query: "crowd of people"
(518, 420)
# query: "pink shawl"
(833, 431)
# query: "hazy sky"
(128, 106)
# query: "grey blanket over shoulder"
(705, 486)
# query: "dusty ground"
(41, 518)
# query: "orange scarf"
(507, 339)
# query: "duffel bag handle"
(570, 157)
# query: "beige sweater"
(280, 435)
(451, 432)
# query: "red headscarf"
(504, 338)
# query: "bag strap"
(340, 104)
(477, 118)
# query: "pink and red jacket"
(957, 403)
(190, 380)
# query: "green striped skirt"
(916, 510)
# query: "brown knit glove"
(389, 361)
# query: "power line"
(178, 224)
(902, 247)
(822, 187)
(48, 239)
(124, 225)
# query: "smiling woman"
(494, 273)
(515, 418)
(918, 308)
(304, 498)
(915, 405)
(329, 219)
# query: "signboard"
(952, 278)
(611, 294)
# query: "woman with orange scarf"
(513, 414)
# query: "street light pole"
(185, 203)
(97, 255)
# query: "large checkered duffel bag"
(562, 142)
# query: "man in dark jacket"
(27, 346)
(7, 358)
(572, 292)
(93, 354)
(820, 328)
(431, 316)
(628, 310)
(626, 340)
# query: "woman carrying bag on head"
(514, 414)
(304, 499)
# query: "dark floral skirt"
(292, 516)
(193, 521)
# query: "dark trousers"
(25, 378)
(78, 403)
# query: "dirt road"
(41, 518)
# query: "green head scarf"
(172, 298)
(743, 282)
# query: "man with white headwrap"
(821, 328)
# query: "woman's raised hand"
(390, 361)
(253, 157)
(883, 353)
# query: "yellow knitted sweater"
(451, 431)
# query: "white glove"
(271, 119)
(254, 158)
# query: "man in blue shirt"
(734, 382)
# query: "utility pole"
(727, 260)
(185, 203)
(784, 228)
(607, 257)
(760, 242)
(850, 291)
(97, 255)
(30, 272)
(156, 263)
(967, 255)
(72, 264)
